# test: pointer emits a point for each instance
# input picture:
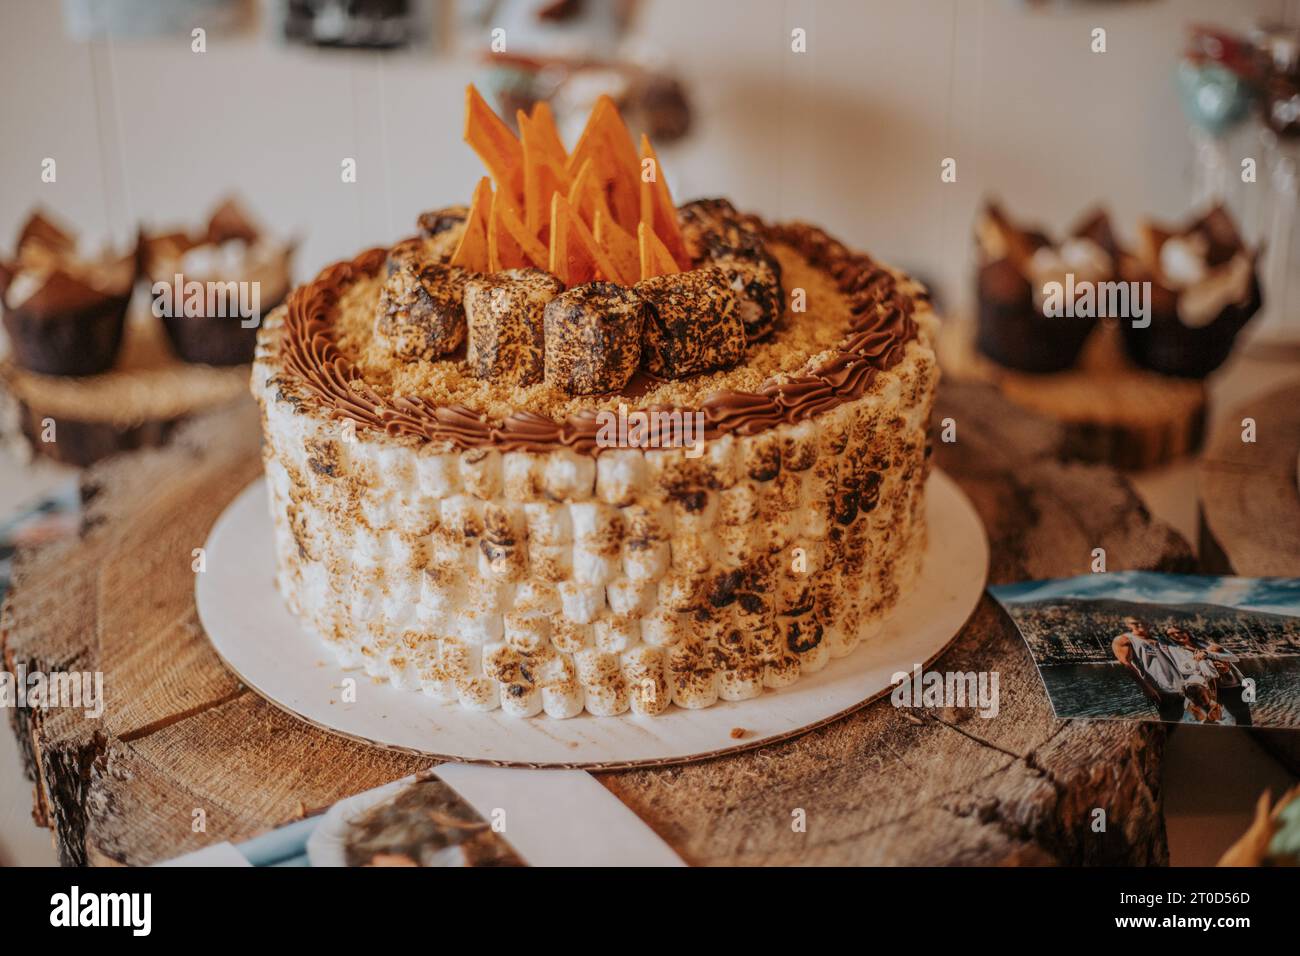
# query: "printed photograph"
(1176, 648)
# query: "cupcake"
(212, 288)
(64, 313)
(1016, 266)
(1204, 289)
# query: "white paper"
(218, 854)
(558, 817)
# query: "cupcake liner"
(1013, 332)
(67, 328)
(1172, 348)
(1169, 345)
(211, 339)
(72, 323)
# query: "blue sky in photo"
(1274, 595)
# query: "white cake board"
(263, 643)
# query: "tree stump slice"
(136, 404)
(882, 786)
(1113, 411)
(1250, 508)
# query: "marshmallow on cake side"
(463, 558)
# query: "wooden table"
(1113, 411)
(1249, 495)
(883, 786)
(1250, 490)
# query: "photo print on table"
(1139, 645)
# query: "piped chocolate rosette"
(1204, 289)
(211, 286)
(1016, 263)
(64, 312)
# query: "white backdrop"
(849, 135)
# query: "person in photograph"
(1200, 695)
(1209, 664)
(1148, 659)
(1201, 706)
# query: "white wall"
(849, 135)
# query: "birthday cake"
(573, 447)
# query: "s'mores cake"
(573, 448)
(64, 311)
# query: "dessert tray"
(260, 640)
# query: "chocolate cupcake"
(212, 288)
(1204, 289)
(1016, 268)
(64, 313)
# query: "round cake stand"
(261, 641)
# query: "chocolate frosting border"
(879, 331)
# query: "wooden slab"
(1249, 496)
(1250, 508)
(136, 404)
(881, 786)
(1113, 411)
